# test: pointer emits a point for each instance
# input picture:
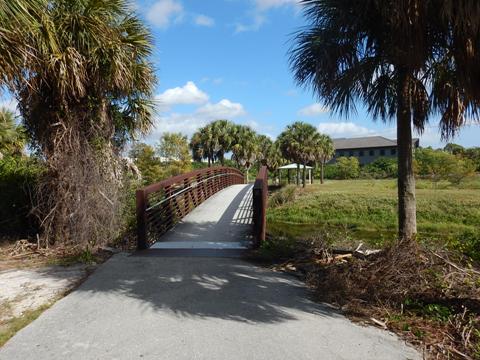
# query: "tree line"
(300, 143)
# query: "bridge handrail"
(260, 198)
(161, 205)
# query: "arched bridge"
(209, 208)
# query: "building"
(367, 149)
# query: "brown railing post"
(141, 221)
(260, 198)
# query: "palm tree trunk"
(407, 217)
(248, 168)
(298, 175)
(304, 175)
(322, 171)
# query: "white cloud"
(258, 13)
(188, 123)
(263, 5)
(204, 20)
(258, 21)
(344, 129)
(313, 110)
(163, 12)
(187, 94)
(224, 109)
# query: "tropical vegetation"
(405, 60)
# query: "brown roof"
(365, 142)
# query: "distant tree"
(324, 152)
(382, 167)
(149, 165)
(12, 136)
(173, 150)
(298, 142)
(245, 149)
(348, 167)
(454, 149)
(223, 131)
(474, 155)
(439, 165)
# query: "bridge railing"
(162, 205)
(260, 198)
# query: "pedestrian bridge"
(209, 208)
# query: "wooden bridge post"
(141, 221)
(260, 198)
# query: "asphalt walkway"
(137, 307)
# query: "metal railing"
(160, 206)
(260, 198)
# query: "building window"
(360, 153)
(341, 153)
(382, 152)
(350, 153)
(372, 152)
(393, 152)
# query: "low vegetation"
(427, 293)
(447, 215)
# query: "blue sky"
(228, 59)
(219, 59)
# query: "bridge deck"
(224, 221)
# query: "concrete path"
(171, 308)
(223, 221)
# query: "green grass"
(367, 210)
(10, 327)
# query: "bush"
(382, 168)
(283, 196)
(18, 179)
(438, 165)
(347, 168)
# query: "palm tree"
(204, 145)
(12, 136)
(298, 143)
(222, 132)
(387, 54)
(89, 85)
(19, 20)
(324, 151)
(245, 148)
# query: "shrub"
(19, 177)
(381, 168)
(283, 196)
(348, 168)
(440, 165)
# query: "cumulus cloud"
(313, 110)
(344, 129)
(257, 21)
(188, 123)
(203, 20)
(263, 5)
(163, 12)
(187, 94)
(224, 109)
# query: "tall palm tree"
(298, 143)
(405, 59)
(245, 148)
(324, 151)
(89, 84)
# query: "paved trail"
(158, 305)
(136, 307)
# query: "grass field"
(365, 210)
